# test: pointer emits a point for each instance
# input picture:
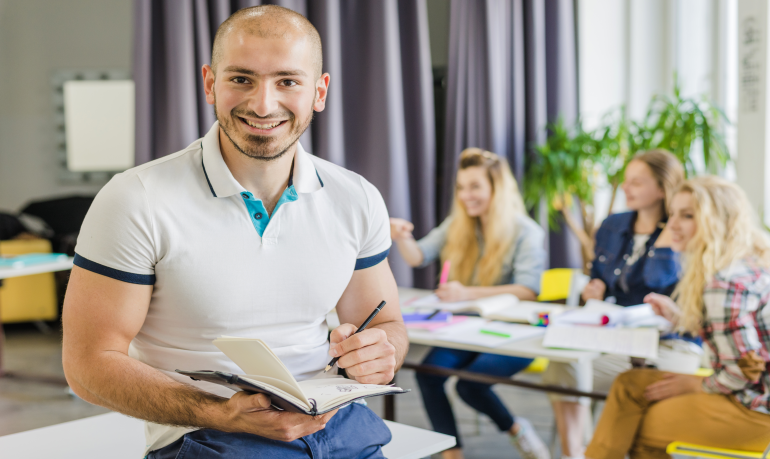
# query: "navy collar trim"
(209, 181)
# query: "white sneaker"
(528, 443)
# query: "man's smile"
(261, 128)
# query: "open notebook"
(505, 307)
(597, 312)
(265, 373)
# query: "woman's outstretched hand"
(401, 229)
(663, 306)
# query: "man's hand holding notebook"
(266, 374)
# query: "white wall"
(36, 38)
(629, 50)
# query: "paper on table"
(432, 301)
(634, 342)
(484, 306)
(526, 312)
(431, 325)
(471, 333)
(597, 312)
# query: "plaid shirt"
(736, 321)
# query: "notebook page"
(432, 302)
(254, 357)
(492, 304)
(333, 391)
(634, 342)
(497, 333)
(526, 312)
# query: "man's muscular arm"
(101, 316)
(374, 355)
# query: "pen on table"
(360, 329)
(494, 333)
(442, 280)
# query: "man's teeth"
(262, 126)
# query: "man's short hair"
(269, 21)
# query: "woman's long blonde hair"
(727, 230)
(462, 247)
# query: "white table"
(527, 348)
(39, 268)
(120, 437)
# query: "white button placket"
(270, 236)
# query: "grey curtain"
(379, 117)
(512, 69)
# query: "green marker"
(494, 333)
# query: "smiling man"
(242, 233)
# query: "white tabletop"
(528, 348)
(61, 265)
(120, 437)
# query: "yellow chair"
(27, 298)
(688, 449)
(555, 284)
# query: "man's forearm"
(116, 381)
(397, 336)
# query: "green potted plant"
(573, 163)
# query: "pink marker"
(445, 272)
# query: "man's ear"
(321, 90)
(208, 83)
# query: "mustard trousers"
(630, 424)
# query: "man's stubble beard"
(258, 143)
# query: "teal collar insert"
(257, 212)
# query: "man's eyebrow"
(245, 71)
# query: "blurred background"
(567, 90)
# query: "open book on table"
(265, 373)
(596, 312)
(505, 307)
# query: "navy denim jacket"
(656, 271)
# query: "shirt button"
(617, 271)
(651, 253)
(258, 216)
(625, 257)
(602, 258)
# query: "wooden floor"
(25, 406)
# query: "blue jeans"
(477, 395)
(354, 432)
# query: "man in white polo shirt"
(242, 233)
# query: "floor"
(25, 405)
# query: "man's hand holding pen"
(368, 356)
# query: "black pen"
(360, 329)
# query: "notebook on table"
(266, 374)
(505, 307)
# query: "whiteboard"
(99, 125)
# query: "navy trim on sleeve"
(368, 262)
(131, 278)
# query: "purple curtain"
(379, 118)
(512, 69)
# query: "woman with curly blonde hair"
(722, 294)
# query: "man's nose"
(263, 100)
